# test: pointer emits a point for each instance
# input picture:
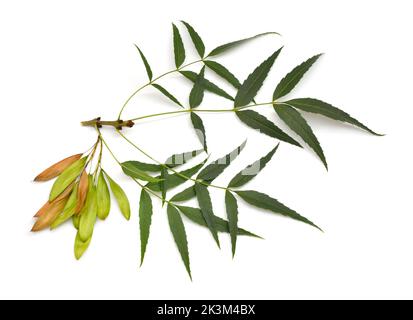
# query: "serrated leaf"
(120, 196)
(223, 72)
(178, 231)
(291, 79)
(145, 220)
(195, 215)
(259, 122)
(149, 167)
(103, 197)
(225, 47)
(199, 129)
(68, 210)
(146, 64)
(176, 179)
(254, 82)
(208, 85)
(263, 201)
(205, 204)
(131, 169)
(197, 93)
(88, 214)
(179, 50)
(251, 171)
(214, 169)
(81, 246)
(167, 94)
(196, 39)
(327, 110)
(232, 215)
(297, 123)
(185, 195)
(181, 158)
(66, 178)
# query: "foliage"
(84, 195)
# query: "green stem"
(166, 167)
(107, 147)
(151, 82)
(99, 160)
(119, 163)
(201, 110)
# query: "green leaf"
(167, 94)
(163, 184)
(231, 45)
(181, 158)
(263, 201)
(259, 122)
(178, 231)
(145, 220)
(251, 171)
(142, 166)
(327, 110)
(120, 197)
(66, 178)
(208, 85)
(197, 93)
(195, 215)
(131, 168)
(254, 82)
(291, 79)
(214, 169)
(185, 195)
(88, 214)
(232, 214)
(297, 123)
(68, 211)
(176, 179)
(81, 246)
(103, 197)
(205, 204)
(179, 49)
(196, 39)
(199, 129)
(223, 72)
(146, 64)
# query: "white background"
(66, 61)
